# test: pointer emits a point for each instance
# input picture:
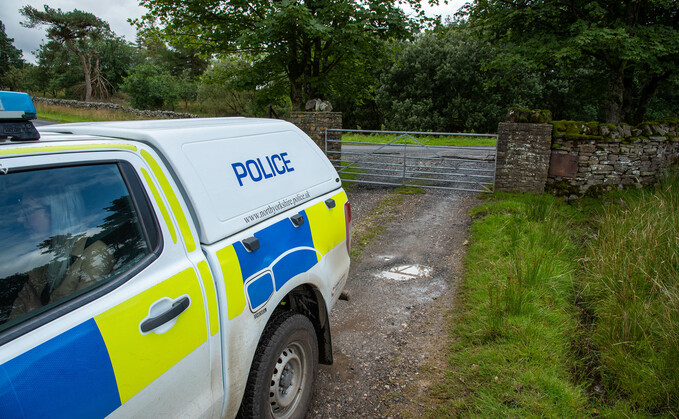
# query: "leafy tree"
(311, 43)
(438, 83)
(151, 87)
(179, 59)
(10, 59)
(76, 30)
(633, 43)
(59, 67)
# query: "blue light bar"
(16, 105)
(16, 111)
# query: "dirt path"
(388, 338)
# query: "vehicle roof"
(164, 131)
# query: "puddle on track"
(406, 272)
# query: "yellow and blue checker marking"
(69, 376)
(284, 249)
(93, 368)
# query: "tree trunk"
(296, 95)
(647, 93)
(616, 90)
(85, 61)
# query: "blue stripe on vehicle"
(293, 264)
(273, 242)
(260, 290)
(69, 376)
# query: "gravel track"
(389, 338)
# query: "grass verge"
(64, 114)
(630, 290)
(424, 139)
(568, 310)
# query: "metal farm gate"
(405, 161)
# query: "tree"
(438, 83)
(151, 87)
(634, 42)
(310, 42)
(10, 58)
(77, 30)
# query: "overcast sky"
(115, 12)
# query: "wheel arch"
(308, 301)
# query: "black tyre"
(283, 371)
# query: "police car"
(165, 268)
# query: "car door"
(102, 312)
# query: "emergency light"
(16, 111)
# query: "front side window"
(63, 232)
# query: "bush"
(151, 87)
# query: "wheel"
(283, 371)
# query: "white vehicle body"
(243, 218)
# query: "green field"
(423, 139)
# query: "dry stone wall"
(605, 157)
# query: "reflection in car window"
(64, 232)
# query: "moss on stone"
(563, 188)
(582, 137)
(596, 191)
(630, 140)
(593, 126)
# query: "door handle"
(178, 307)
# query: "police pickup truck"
(165, 268)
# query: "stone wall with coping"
(606, 157)
(523, 152)
(114, 107)
(314, 125)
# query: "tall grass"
(568, 310)
(632, 288)
(511, 338)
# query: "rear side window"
(65, 231)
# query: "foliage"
(633, 45)
(181, 60)
(317, 46)
(445, 81)
(76, 30)
(10, 60)
(437, 83)
(151, 87)
(225, 90)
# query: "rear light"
(347, 220)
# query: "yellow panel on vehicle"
(328, 228)
(59, 148)
(233, 281)
(161, 205)
(211, 296)
(139, 359)
(172, 199)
